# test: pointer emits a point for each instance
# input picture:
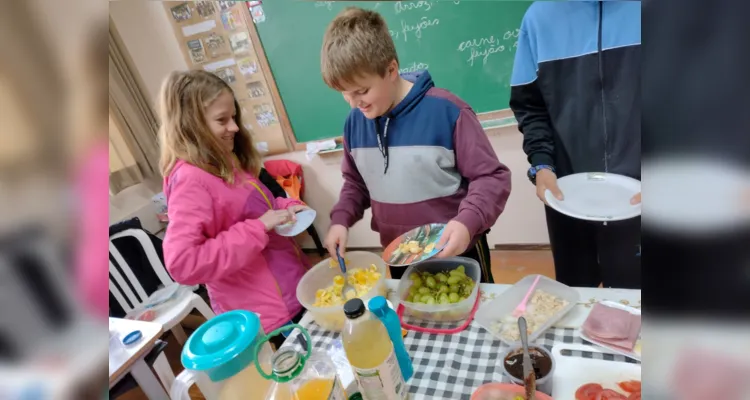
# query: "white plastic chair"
(170, 314)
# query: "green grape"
(462, 298)
(442, 288)
(444, 299)
(454, 288)
(424, 290)
(461, 269)
(453, 297)
(410, 298)
(466, 291)
(414, 276)
(430, 282)
(430, 300)
(413, 291)
(441, 277)
(416, 282)
(454, 279)
(455, 272)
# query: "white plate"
(305, 218)
(631, 354)
(596, 196)
(571, 372)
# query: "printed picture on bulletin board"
(231, 19)
(216, 45)
(225, 5)
(240, 42)
(226, 74)
(181, 12)
(205, 8)
(264, 115)
(255, 89)
(258, 14)
(247, 67)
(196, 51)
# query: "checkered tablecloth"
(453, 366)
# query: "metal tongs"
(529, 376)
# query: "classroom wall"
(148, 37)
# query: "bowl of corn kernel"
(319, 290)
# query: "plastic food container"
(440, 312)
(503, 391)
(321, 276)
(503, 305)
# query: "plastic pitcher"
(220, 358)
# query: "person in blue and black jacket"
(575, 91)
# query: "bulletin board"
(216, 36)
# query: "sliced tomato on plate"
(609, 394)
(635, 396)
(588, 391)
(630, 386)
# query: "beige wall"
(147, 33)
(149, 38)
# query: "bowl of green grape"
(442, 290)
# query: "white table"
(131, 359)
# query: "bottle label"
(382, 383)
(337, 391)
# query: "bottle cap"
(378, 305)
(354, 308)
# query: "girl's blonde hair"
(184, 133)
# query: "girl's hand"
(274, 218)
(298, 207)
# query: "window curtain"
(131, 115)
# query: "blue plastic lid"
(132, 337)
(223, 345)
(377, 305)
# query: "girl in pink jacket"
(221, 217)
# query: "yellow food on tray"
(361, 279)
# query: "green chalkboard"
(468, 47)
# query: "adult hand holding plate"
(597, 196)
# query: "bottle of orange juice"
(297, 376)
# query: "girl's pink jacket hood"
(214, 238)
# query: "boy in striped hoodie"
(414, 153)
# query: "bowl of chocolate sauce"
(541, 360)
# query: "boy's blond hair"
(184, 133)
(356, 43)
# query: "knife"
(529, 376)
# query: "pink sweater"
(214, 237)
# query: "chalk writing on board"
(486, 46)
(324, 4)
(401, 6)
(413, 67)
(416, 29)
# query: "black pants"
(590, 253)
(278, 340)
(480, 252)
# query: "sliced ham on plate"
(613, 326)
